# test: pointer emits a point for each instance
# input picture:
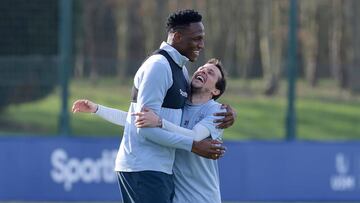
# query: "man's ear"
(177, 37)
(215, 92)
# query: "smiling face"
(205, 78)
(190, 40)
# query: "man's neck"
(199, 98)
(169, 40)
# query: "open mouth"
(201, 78)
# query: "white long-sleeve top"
(118, 117)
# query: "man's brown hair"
(221, 83)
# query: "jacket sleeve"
(112, 115)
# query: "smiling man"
(196, 178)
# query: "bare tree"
(323, 14)
(355, 70)
(248, 36)
(255, 65)
(335, 39)
(229, 34)
(346, 43)
(308, 38)
(122, 33)
(154, 23)
(339, 41)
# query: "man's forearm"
(211, 149)
(112, 115)
(199, 132)
(166, 138)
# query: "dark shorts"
(146, 187)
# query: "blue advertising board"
(291, 171)
(58, 169)
(81, 169)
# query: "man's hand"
(229, 117)
(146, 118)
(208, 148)
(84, 106)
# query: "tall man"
(146, 155)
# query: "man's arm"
(155, 81)
(147, 118)
(208, 148)
(114, 116)
(200, 131)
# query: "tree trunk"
(255, 69)
(79, 64)
(322, 60)
(89, 31)
(121, 32)
(212, 29)
(230, 39)
(250, 34)
(346, 44)
(335, 40)
(135, 44)
(265, 32)
(308, 38)
(154, 24)
(355, 70)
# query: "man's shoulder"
(213, 106)
(156, 59)
(157, 63)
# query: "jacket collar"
(175, 54)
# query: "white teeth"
(200, 78)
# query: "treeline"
(250, 36)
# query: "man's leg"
(128, 187)
(146, 187)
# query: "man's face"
(205, 79)
(191, 41)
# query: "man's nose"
(201, 44)
(204, 71)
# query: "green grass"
(323, 113)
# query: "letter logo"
(183, 93)
(68, 171)
(342, 181)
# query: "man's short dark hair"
(221, 83)
(181, 19)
